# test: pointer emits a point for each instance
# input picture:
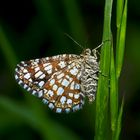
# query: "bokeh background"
(35, 29)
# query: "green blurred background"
(35, 29)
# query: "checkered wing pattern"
(56, 80)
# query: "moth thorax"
(91, 60)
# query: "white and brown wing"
(54, 79)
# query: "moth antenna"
(101, 44)
(74, 40)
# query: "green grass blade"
(113, 95)
(119, 121)
(120, 47)
(119, 9)
(121, 33)
(101, 121)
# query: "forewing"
(33, 74)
